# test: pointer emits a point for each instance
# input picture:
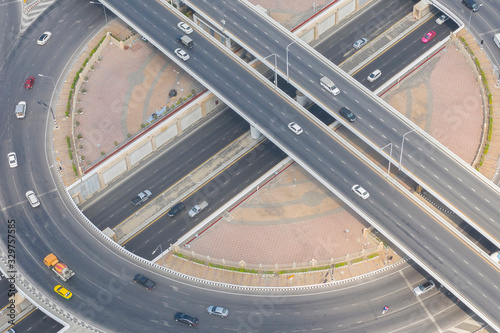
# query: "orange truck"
(62, 270)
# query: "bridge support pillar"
(255, 133)
(301, 99)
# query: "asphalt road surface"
(319, 153)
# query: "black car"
(186, 319)
(147, 283)
(176, 209)
(346, 113)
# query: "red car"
(428, 36)
(29, 82)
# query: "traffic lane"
(433, 165)
(31, 59)
(361, 299)
(407, 50)
(100, 283)
(37, 321)
(398, 206)
(302, 54)
(219, 190)
(162, 171)
(9, 30)
(5, 293)
(370, 23)
(400, 55)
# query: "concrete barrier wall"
(327, 18)
(115, 170)
(346, 10)
(140, 153)
(165, 136)
(160, 134)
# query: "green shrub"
(302, 270)
(103, 153)
(70, 153)
(85, 61)
(234, 269)
(67, 113)
(75, 170)
(486, 148)
(490, 128)
(79, 137)
(68, 140)
(82, 157)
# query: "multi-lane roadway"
(429, 163)
(316, 149)
(104, 291)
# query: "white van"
(21, 110)
(497, 40)
(329, 85)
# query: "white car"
(12, 160)
(31, 196)
(44, 38)
(441, 19)
(185, 28)
(423, 288)
(360, 191)
(335, 90)
(295, 128)
(181, 54)
(375, 75)
(217, 311)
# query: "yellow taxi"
(63, 291)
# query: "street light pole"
(104, 7)
(50, 108)
(287, 77)
(402, 145)
(275, 67)
(161, 250)
(223, 24)
(390, 157)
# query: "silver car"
(217, 311)
(441, 19)
(423, 288)
(360, 43)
